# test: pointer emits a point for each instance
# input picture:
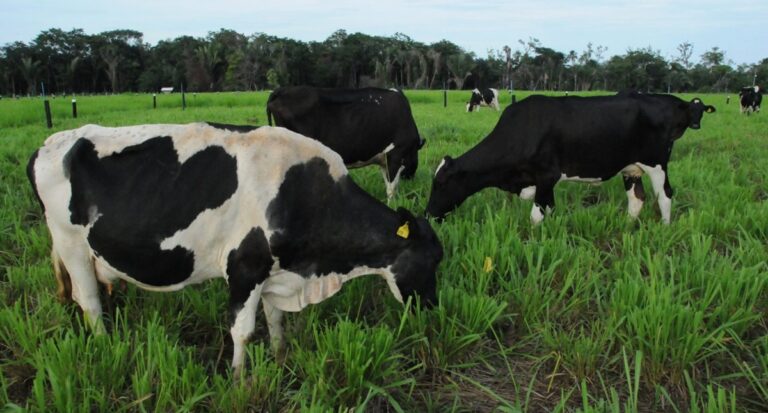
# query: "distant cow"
(544, 140)
(272, 212)
(365, 126)
(483, 97)
(750, 99)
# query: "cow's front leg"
(635, 195)
(274, 318)
(391, 182)
(544, 200)
(662, 189)
(242, 327)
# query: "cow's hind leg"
(635, 195)
(75, 272)
(63, 281)
(662, 189)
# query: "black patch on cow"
(247, 266)
(31, 177)
(233, 128)
(635, 182)
(323, 226)
(143, 195)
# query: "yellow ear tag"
(488, 265)
(403, 231)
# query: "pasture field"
(588, 312)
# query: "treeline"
(120, 61)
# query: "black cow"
(365, 126)
(484, 97)
(544, 140)
(750, 99)
(272, 212)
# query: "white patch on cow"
(242, 328)
(634, 204)
(528, 192)
(442, 162)
(288, 291)
(495, 101)
(594, 181)
(537, 214)
(477, 91)
(632, 170)
(757, 89)
(658, 177)
(378, 159)
(468, 106)
(392, 186)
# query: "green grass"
(588, 312)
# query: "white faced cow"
(544, 140)
(484, 97)
(272, 212)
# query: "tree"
(684, 53)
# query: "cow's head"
(449, 189)
(415, 268)
(407, 157)
(696, 109)
(474, 100)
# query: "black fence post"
(74, 108)
(154, 101)
(514, 99)
(47, 106)
(183, 98)
(445, 96)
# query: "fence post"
(183, 98)
(74, 108)
(445, 96)
(47, 106)
(154, 101)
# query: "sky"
(737, 27)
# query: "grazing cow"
(484, 97)
(365, 126)
(543, 140)
(274, 213)
(750, 99)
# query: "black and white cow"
(272, 212)
(750, 99)
(365, 126)
(483, 97)
(544, 140)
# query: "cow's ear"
(407, 226)
(710, 109)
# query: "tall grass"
(589, 311)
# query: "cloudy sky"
(736, 26)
